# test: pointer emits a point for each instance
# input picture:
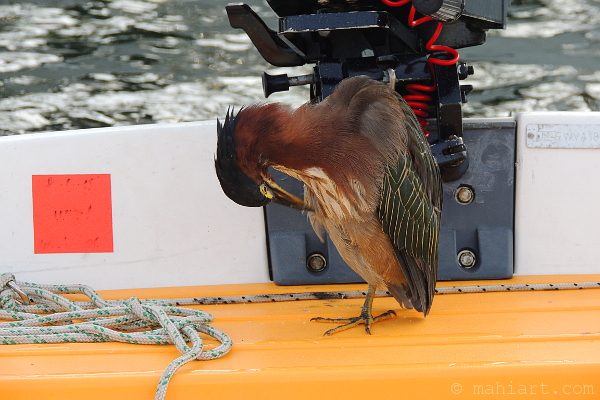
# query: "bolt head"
(464, 194)
(466, 259)
(316, 262)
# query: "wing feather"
(410, 193)
(417, 196)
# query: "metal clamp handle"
(24, 299)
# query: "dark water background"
(67, 64)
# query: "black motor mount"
(346, 38)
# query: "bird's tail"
(399, 292)
(418, 291)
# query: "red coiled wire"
(417, 100)
(395, 3)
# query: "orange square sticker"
(72, 213)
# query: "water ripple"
(104, 63)
(16, 61)
(553, 18)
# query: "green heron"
(369, 178)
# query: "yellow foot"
(363, 318)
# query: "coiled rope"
(157, 321)
(51, 320)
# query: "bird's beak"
(278, 195)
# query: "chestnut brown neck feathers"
(313, 136)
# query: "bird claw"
(366, 319)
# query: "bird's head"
(241, 169)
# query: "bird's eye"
(266, 191)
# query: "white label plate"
(563, 136)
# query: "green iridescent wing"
(409, 210)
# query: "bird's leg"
(365, 317)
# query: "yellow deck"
(534, 344)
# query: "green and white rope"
(50, 320)
(158, 321)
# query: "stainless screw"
(316, 262)
(466, 259)
(464, 194)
